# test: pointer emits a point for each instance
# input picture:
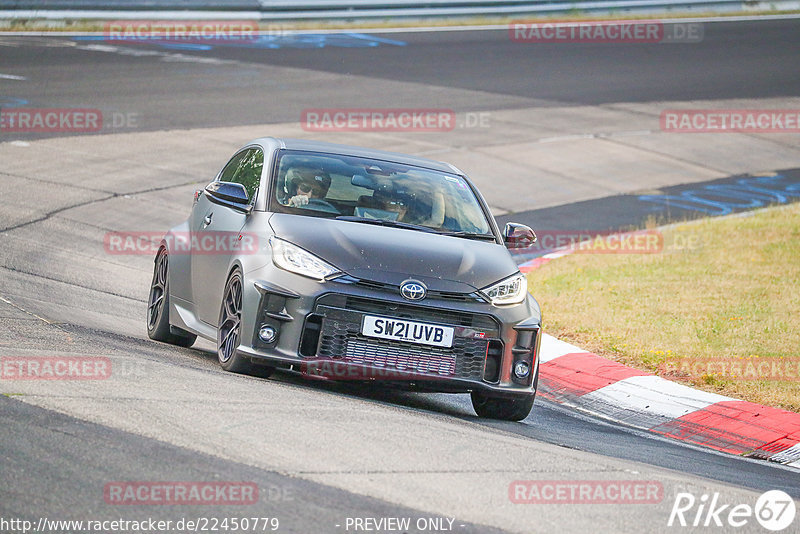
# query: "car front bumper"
(318, 327)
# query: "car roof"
(347, 150)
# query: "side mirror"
(517, 236)
(229, 194)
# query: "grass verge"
(718, 308)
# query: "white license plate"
(410, 331)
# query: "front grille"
(412, 312)
(398, 358)
(395, 290)
(341, 339)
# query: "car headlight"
(294, 259)
(512, 290)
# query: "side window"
(230, 169)
(245, 168)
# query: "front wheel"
(504, 408)
(158, 327)
(229, 331)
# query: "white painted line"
(553, 348)
(165, 56)
(653, 395)
(12, 77)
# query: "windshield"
(368, 190)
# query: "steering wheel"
(320, 205)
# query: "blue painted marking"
(745, 193)
(375, 39)
(182, 46)
(272, 42)
(312, 40)
(10, 102)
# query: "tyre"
(504, 408)
(229, 331)
(158, 327)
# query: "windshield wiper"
(471, 235)
(386, 222)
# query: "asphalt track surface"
(440, 70)
(53, 464)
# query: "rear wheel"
(505, 408)
(158, 327)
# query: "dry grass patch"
(718, 309)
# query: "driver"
(305, 192)
(308, 183)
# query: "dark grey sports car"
(345, 263)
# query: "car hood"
(392, 255)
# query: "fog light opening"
(267, 334)
(522, 369)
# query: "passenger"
(387, 202)
(435, 219)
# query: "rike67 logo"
(774, 510)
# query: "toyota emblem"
(413, 290)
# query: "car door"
(216, 226)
